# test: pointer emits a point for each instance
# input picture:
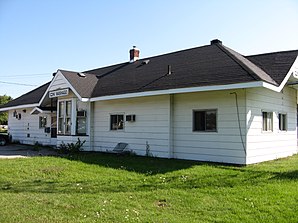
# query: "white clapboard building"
(208, 103)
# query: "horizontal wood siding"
(263, 146)
(58, 83)
(150, 128)
(225, 145)
(28, 124)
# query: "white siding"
(225, 145)
(26, 130)
(263, 146)
(151, 125)
(58, 83)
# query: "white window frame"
(43, 121)
(118, 114)
(77, 122)
(267, 121)
(282, 122)
(64, 117)
(204, 110)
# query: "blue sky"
(38, 37)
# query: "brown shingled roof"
(277, 64)
(32, 97)
(208, 65)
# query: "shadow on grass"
(138, 164)
(143, 174)
(289, 175)
(206, 181)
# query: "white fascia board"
(40, 111)
(66, 81)
(47, 91)
(18, 107)
(85, 99)
(181, 90)
(71, 87)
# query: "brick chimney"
(215, 41)
(134, 54)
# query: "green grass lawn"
(110, 188)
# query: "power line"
(4, 82)
(26, 75)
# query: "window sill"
(205, 131)
(267, 132)
(72, 135)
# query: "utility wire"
(4, 82)
(26, 75)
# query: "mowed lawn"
(111, 188)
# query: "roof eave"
(180, 90)
(18, 107)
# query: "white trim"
(46, 92)
(66, 81)
(18, 107)
(41, 111)
(36, 109)
(180, 90)
(72, 118)
(85, 99)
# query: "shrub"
(71, 148)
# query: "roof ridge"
(270, 53)
(146, 58)
(252, 69)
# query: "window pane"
(61, 108)
(117, 122)
(61, 126)
(270, 121)
(120, 121)
(204, 120)
(42, 122)
(68, 126)
(211, 120)
(81, 126)
(264, 121)
(282, 122)
(267, 121)
(68, 108)
(199, 121)
(284, 119)
(113, 122)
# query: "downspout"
(90, 126)
(171, 137)
(239, 125)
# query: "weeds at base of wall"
(71, 148)
(37, 146)
(148, 153)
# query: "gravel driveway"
(21, 151)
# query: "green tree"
(3, 115)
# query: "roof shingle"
(208, 65)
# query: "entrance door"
(54, 126)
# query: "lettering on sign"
(58, 93)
